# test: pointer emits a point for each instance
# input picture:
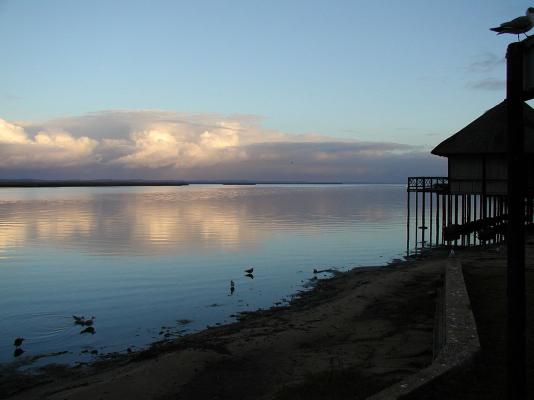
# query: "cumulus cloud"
(44, 149)
(167, 145)
(11, 134)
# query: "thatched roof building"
(477, 153)
(487, 134)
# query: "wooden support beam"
(516, 300)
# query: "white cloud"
(44, 149)
(10, 133)
(162, 144)
(157, 148)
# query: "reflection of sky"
(141, 258)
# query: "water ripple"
(142, 258)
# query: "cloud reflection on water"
(180, 220)
(141, 258)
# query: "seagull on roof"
(517, 26)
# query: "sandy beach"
(349, 337)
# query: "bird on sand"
(249, 271)
(18, 341)
(517, 26)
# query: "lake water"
(156, 262)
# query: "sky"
(286, 90)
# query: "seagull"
(518, 25)
(232, 287)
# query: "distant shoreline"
(109, 183)
(34, 183)
(96, 183)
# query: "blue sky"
(411, 72)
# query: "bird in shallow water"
(517, 26)
(249, 271)
(18, 351)
(18, 341)
(89, 329)
(232, 287)
(82, 321)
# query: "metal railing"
(428, 184)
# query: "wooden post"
(437, 218)
(456, 216)
(423, 209)
(468, 218)
(408, 223)
(416, 217)
(449, 213)
(463, 217)
(430, 194)
(483, 197)
(516, 301)
(443, 215)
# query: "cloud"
(155, 144)
(169, 147)
(487, 84)
(486, 62)
(44, 149)
(8, 97)
(12, 134)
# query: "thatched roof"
(487, 134)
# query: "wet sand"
(349, 337)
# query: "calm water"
(152, 261)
